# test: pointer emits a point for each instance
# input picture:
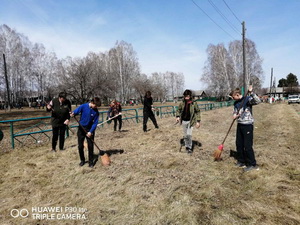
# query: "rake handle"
(228, 131)
(86, 133)
(108, 119)
(235, 118)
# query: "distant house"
(276, 92)
(282, 91)
(200, 94)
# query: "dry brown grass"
(153, 183)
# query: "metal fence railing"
(35, 130)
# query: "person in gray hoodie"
(242, 112)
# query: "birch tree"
(218, 70)
(125, 66)
(223, 69)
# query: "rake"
(109, 119)
(218, 152)
(104, 157)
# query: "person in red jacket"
(115, 110)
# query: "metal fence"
(38, 132)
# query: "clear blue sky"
(168, 35)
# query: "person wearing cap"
(60, 118)
(188, 114)
(88, 123)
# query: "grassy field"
(152, 182)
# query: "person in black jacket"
(60, 118)
(148, 111)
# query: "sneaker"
(52, 150)
(81, 163)
(189, 151)
(91, 165)
(241, 165)
(249, 168)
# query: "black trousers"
(148, 114)
(118, 118)
(58, 131)
(81, 136)
(244, 144)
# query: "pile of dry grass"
(153, 183)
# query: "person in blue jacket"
(88, 124)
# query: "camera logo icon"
(19, 213)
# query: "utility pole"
(274, 85)
(7, 86)
(271, 83)
(244, 58)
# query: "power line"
(211, 19)
(224, 17)
(236, 18)
(232, 12)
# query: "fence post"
(136, 115)
(12, 135)
(160, 112)
(67, 131)
(102, 115)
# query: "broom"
(218, 152)
(104, 157)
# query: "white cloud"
(63, 41)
